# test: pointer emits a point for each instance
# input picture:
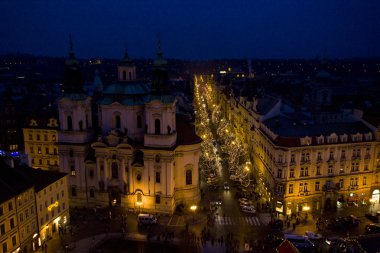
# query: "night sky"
(193, 29)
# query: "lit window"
(73, 171)
(290, 188)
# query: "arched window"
(69, 123)
(80, 125)
(189, 177)
(157, 126)
(115, 171)
(124, 75)
(117, 121)
(139, 121)
(92, 193)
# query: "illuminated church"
(135, 151)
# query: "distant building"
(10, 135)
(144, 157)
(40, 141)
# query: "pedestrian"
(294, 226)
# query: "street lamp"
(193, 208)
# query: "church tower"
(126, 69)
(161, 108)
(75, 133)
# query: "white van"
(146, 219)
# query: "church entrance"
(114, 197)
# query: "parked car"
(334, 240)
(313, 236)
(372, 229)
(146, 219)
(245, 202)
(335, 223)
(226, 186)
(301, 242)
(351, 221)
(247, 209)
(372, 216)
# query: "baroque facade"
(305, 161)
(135, 151)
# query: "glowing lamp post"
(193, 208)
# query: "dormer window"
(333, 138)
(306, 141)
(321, 139)
(33, 123)
(357, 137)
(52, 123)
(368, 137)
(343, 138)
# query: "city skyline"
(193, 30)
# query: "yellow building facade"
(9, 237)
(52, 201)
(40, 141)
(300, 166)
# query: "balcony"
(305, 161)
(329, 188)
(280, 163)
(367, 157)
(75, 136)
(355, 157)
(353, 187)
(161, 140)
(331, 160)
(343, 159)
(319, 160)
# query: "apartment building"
(40, 141)
(305, 161)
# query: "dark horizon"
(317, 58)
(194, 30)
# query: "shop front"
(375, 196)
(352, 199)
